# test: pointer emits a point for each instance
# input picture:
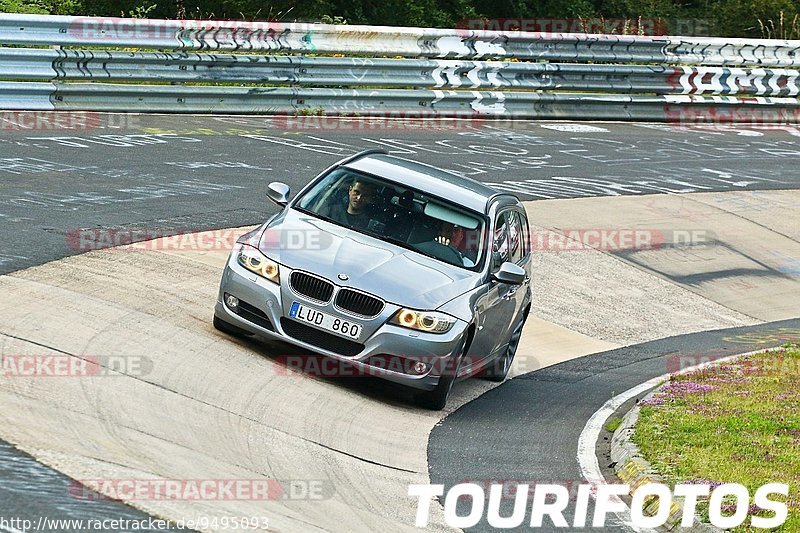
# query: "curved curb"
(633, 469)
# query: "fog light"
(231, 301)
(420, 367)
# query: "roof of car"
(463, 191)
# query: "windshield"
(397, 214)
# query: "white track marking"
(574, 128)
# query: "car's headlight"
(428, 321)
(255, 261)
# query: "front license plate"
(336, 325)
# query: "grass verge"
(738, 422)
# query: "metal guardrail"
(463, 82)
(365, 103)
(22, 95)
(391, 41)
(170, 67)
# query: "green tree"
(740, 18)
(41, 7)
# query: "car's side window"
(500, 240)
(515, 237)
(522, 218)
(526, 230)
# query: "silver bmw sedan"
(392, 267)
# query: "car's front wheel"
(498, 369)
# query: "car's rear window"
(394, 213)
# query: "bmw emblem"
(344, 277)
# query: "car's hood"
(394, 273)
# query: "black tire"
(436, 399)
(228, 328)
(498, 369)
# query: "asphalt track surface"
(526, 430)
(188, 173)
(32, 491)
(193, 173)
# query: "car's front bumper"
(265, 313)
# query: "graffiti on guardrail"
(724, 81)
(407, 42)
(110, 66)
(115, 29)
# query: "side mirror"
(278, 192)
(510, 273)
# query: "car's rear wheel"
(498, 369)
(436, 399)
(228, 328)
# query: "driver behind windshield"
(361, 196)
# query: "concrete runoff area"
(209, 406)
(740, 250)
